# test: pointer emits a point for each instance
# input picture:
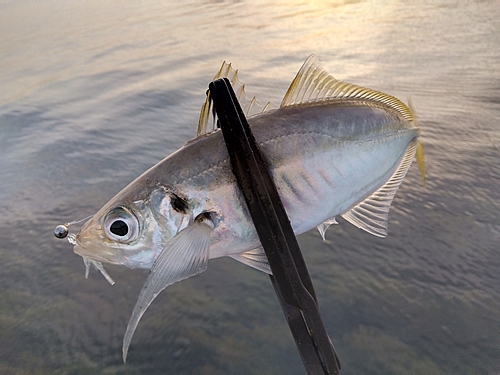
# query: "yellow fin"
(250, 107)
(419, 155)
(313, 83)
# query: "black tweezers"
(290, 279)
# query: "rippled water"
(93, 93)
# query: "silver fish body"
(324, 159)
(332, 148)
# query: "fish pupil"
(119, 228)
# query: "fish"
(334, 149)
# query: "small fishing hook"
(62, 231)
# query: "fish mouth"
(84, 253)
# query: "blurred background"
(93, 93)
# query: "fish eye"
(121, 225)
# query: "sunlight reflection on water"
(93, 94)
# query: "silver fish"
(334, 149)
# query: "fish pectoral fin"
(255, 258)
(372, 214)
(184, 256)
(208, 118)
(324, 226)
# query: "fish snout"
(90, 243)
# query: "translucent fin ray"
(254, 258)
(184, 256)
(372, 214)
(313, 83)
(324, 226)
(208, 118)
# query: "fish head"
(133, 228)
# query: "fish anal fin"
(325, 225)
(372, 214)
(208, 118)
(313, 84)
(255, 258)
(184, 256)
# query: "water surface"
(95, 93)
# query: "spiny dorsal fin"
(250, 107)
(313, 83)
(372, 214)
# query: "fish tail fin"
(419, 154)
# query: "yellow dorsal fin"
(250, 107)
(313, 83)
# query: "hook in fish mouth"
(88, 262)
(62, 231)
